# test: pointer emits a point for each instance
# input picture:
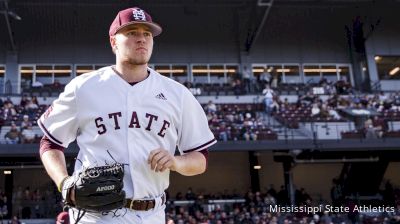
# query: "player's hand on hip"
(160, 160)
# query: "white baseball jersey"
(104, 112)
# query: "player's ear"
(113, 43)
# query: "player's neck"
(132, 73)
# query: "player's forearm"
(191, 164)
(54, 163)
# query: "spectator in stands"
(268, 98)
(275, 106)
(237, 87)
(223, 132)
(27, 135)
(379, 125)
(315, 111)
(190, 195)
(249, 110)
(246, 77)
(13, 135)
(24, 100)
(37, 84)
(31, 107)
(17, 199)
(333, 113)
(210, 107)
(328, 88)
(265, 77)
(275, 78)
(369, 130)
(8, 110)
(248, 130)
(324, 112)
(15, 220)
(3, 204)
(269, 200)
(8, 100)
(382, 96)
(283, 197)
(35, 100)
(25, 122)
(285, 103)
(272, 191)
(307, 99)
(56, 85)
(342, 86)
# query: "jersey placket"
(134, 101)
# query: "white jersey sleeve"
(194, 134)
(60, 121)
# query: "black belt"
(143, 205)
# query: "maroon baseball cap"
(133, 16)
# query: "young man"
(131, 114)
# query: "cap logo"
(138, 14)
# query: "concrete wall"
(204, 35)
(316, 179)
(384, 41)
(303, 35)
(271, 172)
(33, 177)
(392, 173)
(229, 170)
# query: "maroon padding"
(46, 144)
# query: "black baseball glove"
(97, 189)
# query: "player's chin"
(139, 61)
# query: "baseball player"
(131, 114)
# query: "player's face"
(133, 44)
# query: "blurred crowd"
(230, 206)
(254, 208)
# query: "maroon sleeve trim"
(201, 146)
(48, 133)
(46, 145)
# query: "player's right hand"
(160, 160)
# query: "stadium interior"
(302, 95)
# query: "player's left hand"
(160, 160)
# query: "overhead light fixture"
(257, 167)
(47, 71)
(259, 70)
(170, 70)
(378, 58)
(7, 172)
(213, 70)
(394, 71)
(14, 15)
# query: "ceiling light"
(14, 15)
(394, 71)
